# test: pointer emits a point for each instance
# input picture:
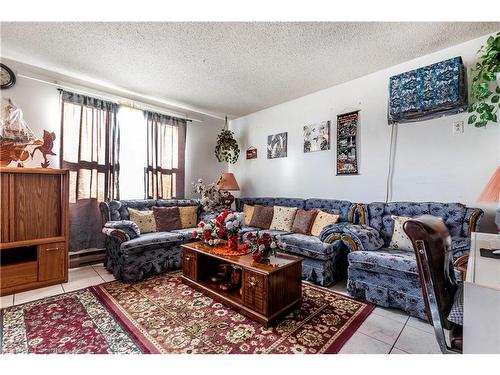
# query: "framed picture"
(317, 137)
(252, 153)
(347, 143)
(277, 145)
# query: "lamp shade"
(491, 191)
(227, 181)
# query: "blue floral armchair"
(389, 277)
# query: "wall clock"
(7, 77)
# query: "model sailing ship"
(16, 138)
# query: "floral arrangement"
(225, 226)
(211, 197)
(206, 233)
(263, 245)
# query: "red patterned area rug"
(162, 315)
(166, 316)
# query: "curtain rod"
(113, 98)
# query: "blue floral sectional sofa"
(130, 257)
(389, 277)
(324, 261)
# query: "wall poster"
(347, 143)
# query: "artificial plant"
(486, 99)
(227, 149)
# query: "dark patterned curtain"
(164, 172)
(90, 150)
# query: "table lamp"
(491, 193)
(227, 182)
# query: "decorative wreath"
(227, 149)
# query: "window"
(132, 152)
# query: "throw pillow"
(144, 220)
(303, 221)
(400, 239)
(189, 216)
(248, 212)
(262, 217)
(322, 220)
(167, 218)
(283, 218)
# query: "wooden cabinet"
(34, 228)
(189, 264)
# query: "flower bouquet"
(206, 232)
(228, 225)
(263, 245)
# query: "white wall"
(200, 158)
(431, 163)
(40, 104)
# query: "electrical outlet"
(458, 127)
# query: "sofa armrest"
(128, 227)
(361, 237)
(461, 264)
(116, 234)
(105, 215)
(473, 217)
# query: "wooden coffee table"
(267, 292)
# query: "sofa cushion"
(332, 206)
(167, 218)
(186, 233)
(400, 239)
(144, 241)
(385, 261)
(379, 215)
(322, 220)
(283, 218)
(247, 213)
(262, 217)
(189, 216)
(303, 221)
(272, 232)
(145, 220)
(265, 201)
(307, 246)
(290, 202)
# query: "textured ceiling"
(235, 68)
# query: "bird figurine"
(45, 147)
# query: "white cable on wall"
(392, 157)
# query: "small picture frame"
(252, 153)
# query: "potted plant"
(485, 90)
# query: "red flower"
(266, 235)
(221, 233)
(195, 234)
(250, 236)
(257, 256)
(202, 224)
(207, 235)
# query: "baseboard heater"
(86, 257)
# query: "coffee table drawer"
(189, 264)
(255, 291)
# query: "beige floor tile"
(6, 301)
(35, 294)
(415, 341)
(82, 273)
(362, 344)
(382, 328)
(340, 287)
(394, 314)
(82, 283)
(420, 324)
(103, 272)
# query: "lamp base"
(228, 199)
